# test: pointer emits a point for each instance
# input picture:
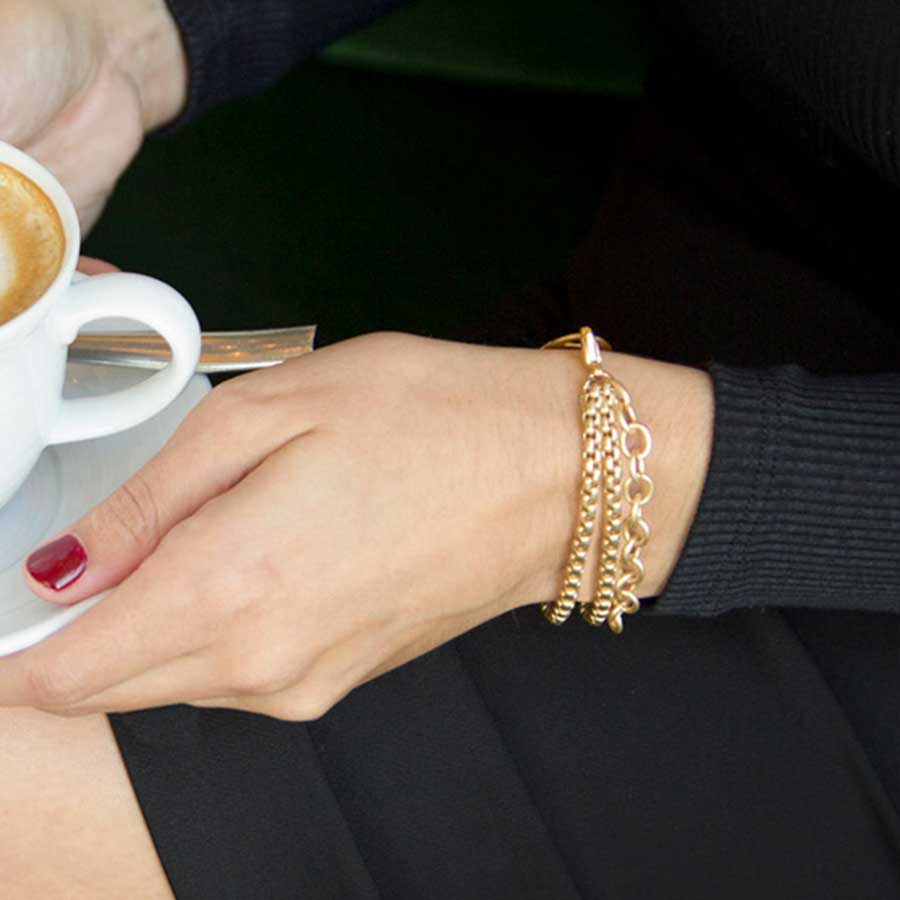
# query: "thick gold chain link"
(591, 482)
(613, 518)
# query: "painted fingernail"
(59, 564)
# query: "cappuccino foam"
(32, 243)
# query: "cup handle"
(145, 300)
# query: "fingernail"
(59, 564)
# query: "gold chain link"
(612, 515)
(612, 437)
(591, 480)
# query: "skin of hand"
(311, 526)
(82, 81)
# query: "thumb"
(87, 265)
(104, 547)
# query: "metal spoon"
(221, 351)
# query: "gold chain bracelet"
(614, 449)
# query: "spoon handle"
(221, 351)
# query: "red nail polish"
(59, 564)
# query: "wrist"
(676, 404)
(145, 44)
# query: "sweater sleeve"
(239, 47)
(801, 506)
(834, 61)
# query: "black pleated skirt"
(684, 759)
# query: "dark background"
(363, 201)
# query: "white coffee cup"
(34, 345)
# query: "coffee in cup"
(32, 243)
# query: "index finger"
(87, 265)
(154, 616)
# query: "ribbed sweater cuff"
(239, 47)
(200, 24)
(801, 506)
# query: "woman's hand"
(311, 526)
(82, 81)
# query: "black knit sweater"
(801, 507)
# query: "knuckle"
(306, 708)
(235, 392)
(220, 408)
(313, 708)
(248, 682)
(183, 541)
(52, 685)
(244, 411)
(253, 678)
(131, 513)
(69, 712)
(394, 357)
(386, 343)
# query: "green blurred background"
(403, 181)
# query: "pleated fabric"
(694, 758)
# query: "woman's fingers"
(200, 678)
(155, 616)
(193, 595)
(87, 265)
(170, 683)
(226, 437)
(301, 534)
(112, 540)
(188, 548)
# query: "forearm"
(801, 506)
(185, 56)
(239, 47)
(795, 504)
(833, 64)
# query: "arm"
(239, 47)
(376, 499)
(830, 67)
(774, 487)
(801, 506)
(82, 81)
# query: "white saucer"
(67, 482)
